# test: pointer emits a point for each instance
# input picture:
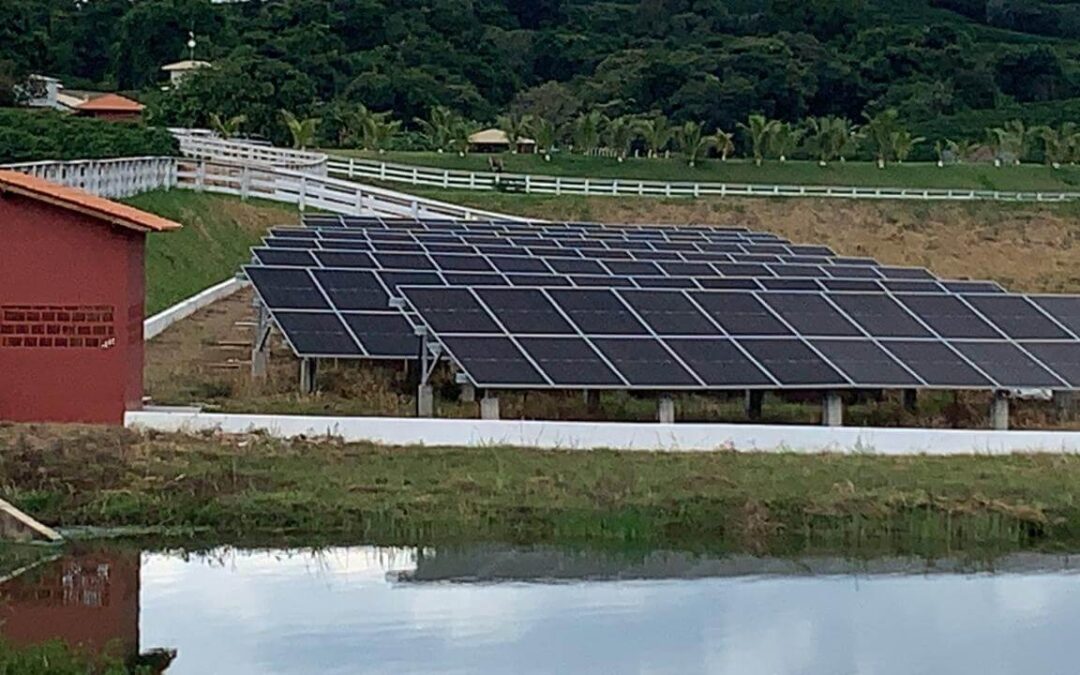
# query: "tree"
(692, 142)
(379, 131)
(758, 130)
(1059, 145)
(725, 143)
(619, 135)
(302, 131)
(901, 143)
(227, 127)
(586, 131)
(829, 137)
(1011, 141)
(783, 140)
(656, 133)
(514, 126)
(879, 130)
(459, 136)
(546, 135)
(438, 127)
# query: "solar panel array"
(541, 305)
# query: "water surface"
(503, 610)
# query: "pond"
(495, 609)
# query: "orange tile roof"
(111, 103)
(83, 202)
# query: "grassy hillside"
(1027, 177)
(216, 239)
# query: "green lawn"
(216, 239)
(254, 487)
(1030, 177)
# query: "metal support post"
(911, 400)
(754, 400)
(260, 342)
(1064, 404)
(308, 375)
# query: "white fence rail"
(354, 168)
(119, 178)
(112, 178)
(203, 146)
(313, 191)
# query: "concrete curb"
(157, 324)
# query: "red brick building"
(72, 290)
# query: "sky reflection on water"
(338, 612)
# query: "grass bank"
(244, 487)
(1028, 177)
(1026, 247)
(216, 239)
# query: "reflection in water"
(372, 610)
(89, 600)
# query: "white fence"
(119, 178)
(354, 168)
(313, 191)
(616, 435)
(204, 146)
(112, 178)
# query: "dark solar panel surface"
(534, 305)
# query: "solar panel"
(540, 305)
(716, 339)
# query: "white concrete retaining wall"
(156, 324)
(617, 435)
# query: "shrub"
(27, 136)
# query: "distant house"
(495, 140)
(181, 69)
(111, 107)
(41, 91)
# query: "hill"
(948, 66)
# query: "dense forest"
(950, 68)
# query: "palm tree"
(378, 131)
(302, 131)
(783, 140)
(586, 131)
(901, 143)
(725, 143)
(546, 135)
(437, 128)
(459, 135)
(1058, 144)
(619, 135)
(829, 137)
(656, 132)
(227, 128)
(693, 142)
(514, 126)
(1012, 140)
(879, 129)
(758, 129)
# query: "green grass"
(1029, 177)
(252, 487)
(216, 239)
(57, 658)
